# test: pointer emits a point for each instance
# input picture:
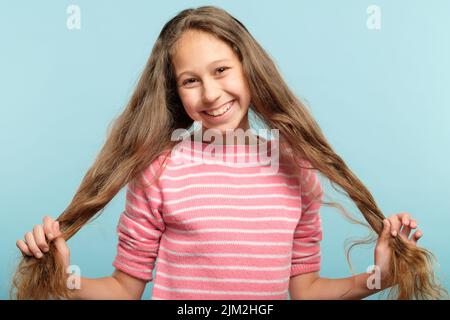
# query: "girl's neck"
(231, 139)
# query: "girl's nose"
(211, 92)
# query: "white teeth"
(220, 111)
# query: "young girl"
(215, 228)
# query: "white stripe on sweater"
(254, 293)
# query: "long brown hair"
(143, 131)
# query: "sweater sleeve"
(140, 227)
(308, 233)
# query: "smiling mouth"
(220, 111)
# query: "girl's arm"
(138, 239)
(311, 286)
(120, 286)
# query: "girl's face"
(211, 82)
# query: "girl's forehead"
(193, 42)
(197, 47)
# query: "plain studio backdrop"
(375, 74)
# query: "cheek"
(238, 87)
(189, 101)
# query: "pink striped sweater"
(220, 229)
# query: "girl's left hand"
(401, 225)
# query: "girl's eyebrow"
(213, 62)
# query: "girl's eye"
(188, 81)
(222, 69)
(192, 80)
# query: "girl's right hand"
(36, 242)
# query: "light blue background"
(381, 97)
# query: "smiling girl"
(217, 231)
